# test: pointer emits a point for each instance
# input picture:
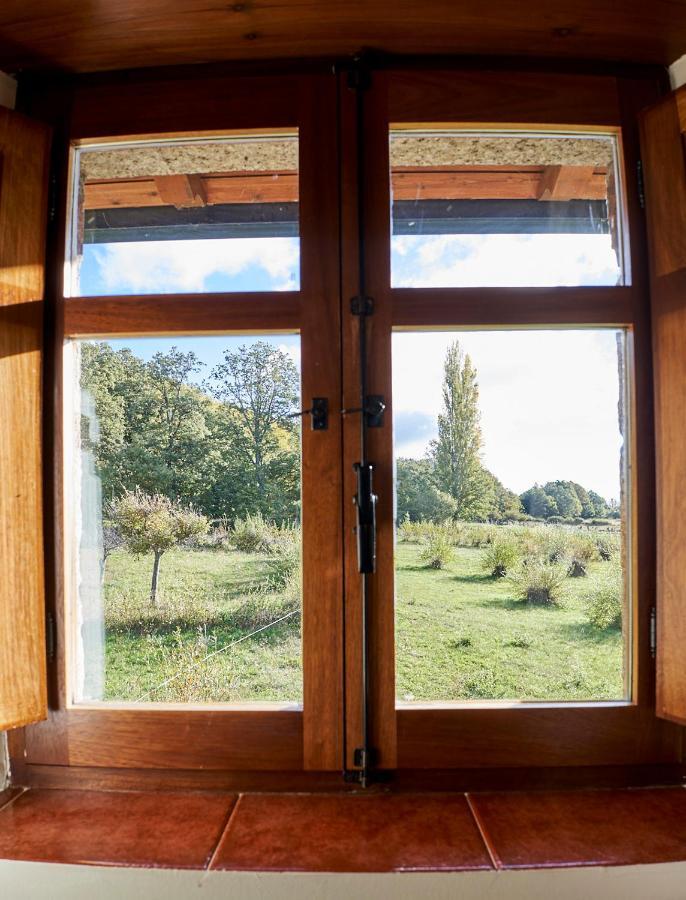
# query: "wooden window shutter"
(24, 153)
(663, 150)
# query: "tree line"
(452, 483)
(223, 444)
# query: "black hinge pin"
(50, 637)
(641, 184)
(653, 632)
(362, 306)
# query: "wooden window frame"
(538, 744)
(254, 737)
(500, 737)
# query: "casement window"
(269, 280)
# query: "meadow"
(226, 625)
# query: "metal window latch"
(373, 410)
(365, 503)
(319, 411)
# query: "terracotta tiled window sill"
(344, 832)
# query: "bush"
(608, 546)
(540, 582)
(582, 551)
(261, 607)
(555, 520)
(410, 532)
(532, 542)
(438, 551)
(218, 538)
(500, 556)
(604, 602)
(599, 523)
(253, 534)
(284, 557)
(474, 534)
(557, 545)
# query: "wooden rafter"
(408, 183)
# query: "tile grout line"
(223, 832)
(483, 831)
(12, 800)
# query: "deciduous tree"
(152, 523)
(456, 452)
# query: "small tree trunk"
(155, 577)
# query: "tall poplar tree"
(456, 452)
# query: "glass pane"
(186, 217)
(504, 209)
(512, 513)
(187, 482)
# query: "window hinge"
(52, 198)
(50, 639)
(640, 184)
(653, 632)
(362, 306)
(359, 73)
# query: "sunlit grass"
(168, 652)
(462, 634)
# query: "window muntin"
(500, 596)
(504, 209)
(186, 456)
(185, 216)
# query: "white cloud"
(503, 260)
(548, 402)
(186, 266)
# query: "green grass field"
(460, 634)
(201, 593)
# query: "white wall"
(38, 881)
(4, 761)
(677, 73)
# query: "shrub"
(555, 520)
(262, 607)
(284, 557)
(218, 538)
(253, 534)
(557, 545)
(410, 532)
(604, 602)
(520, 641)
(582, 551)
(474, 534)
(540, 582)
(599, 523)
(500, 556)
(607, 546)
(438, 551)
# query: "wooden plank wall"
(24, 149)
(663, 136)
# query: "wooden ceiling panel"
(91, 35)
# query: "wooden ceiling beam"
(181, 191)
(87, 36)
(447, 183)
(566, 183)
